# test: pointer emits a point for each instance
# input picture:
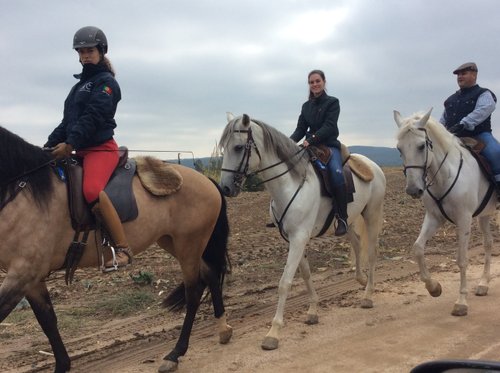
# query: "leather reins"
(22, 181)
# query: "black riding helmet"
(90, 36)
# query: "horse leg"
(295, 254)
(193, 293)
(484, 226)
(209, 277)
(10, 296)
(429, 227)
(460, 307)
(354, 238)
(312, 312)
(39, 299)
(366, 238)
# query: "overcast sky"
(183, 64)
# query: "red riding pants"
(99, 162)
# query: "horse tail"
(215, 256)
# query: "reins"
(22, 181)
(26, 173)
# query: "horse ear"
(398, 118)
(422, 122)
(246, 120)
(229, 116)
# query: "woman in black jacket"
(318, 124)
(88, 126)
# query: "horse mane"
(435, 130)
(274, 141)
(18, 157)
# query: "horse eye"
(238, 148)
(421, 147)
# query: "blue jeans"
(491, 152)
(335, 168)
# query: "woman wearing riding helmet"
(88, 126)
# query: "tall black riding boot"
(340, 198)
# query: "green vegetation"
(126, 303)
(143, 278)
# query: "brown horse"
(35, 227)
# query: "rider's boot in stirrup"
(340, 198)
(111, 220)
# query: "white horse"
(297, 206)
(444, 173)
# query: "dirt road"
(405, 327)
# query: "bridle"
(242, 171)
(425, 167)
(427, 184)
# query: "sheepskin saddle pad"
(158, 177)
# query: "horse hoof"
(225, 336)
(459, 310)
(434, 289)
(481, 290)
(269, 343)
(312, 319)
(366, 303)
(168, 366)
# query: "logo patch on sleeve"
(106, 89)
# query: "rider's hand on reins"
(62, 150)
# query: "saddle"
(119, 190)
(157, 177)
(351, 164)
(476, 147)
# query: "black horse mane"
(19, 158)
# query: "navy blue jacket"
(89, 110)
(318, 121)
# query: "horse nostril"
(226, 191)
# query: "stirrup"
(114, 266)
(341, 227)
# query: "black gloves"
(456, 128)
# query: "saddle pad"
(360, 168)
(158, 177)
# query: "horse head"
(241, 154)
(415, 149)
(252, 147)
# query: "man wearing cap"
(467, 113)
